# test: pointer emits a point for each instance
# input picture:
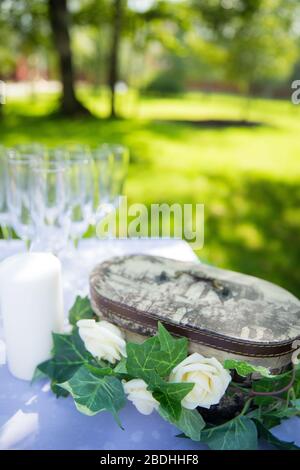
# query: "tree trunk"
(114, 54)
(59, 20)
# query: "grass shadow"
(214, 123)
(258, 230)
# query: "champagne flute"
(120, 169)
(81, 191)
(111, 162)
(103, 171)
(4, 210)
(50, 202)
(18, 193)
(33, 149)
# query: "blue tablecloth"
(32, 418)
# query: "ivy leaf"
(244, 368)
(190, 422)
(272, 415)
(121, 367)
(170, 395)
(265, 434)
(270, 384)
(159, 355)
(140, 362)
(172, 351)
(69, 348)
(99, 371)
(57, 390)
(273, 382)
(238, 434)
(95, 394)
(81, 309)
(69, 354)
(285, 412)
(47, 369)
(39, 374)
(152, 361)
(268, 419)
(297, 382)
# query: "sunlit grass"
(248, 178)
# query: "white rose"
(209, 376)
(102, 339)
(137, 392)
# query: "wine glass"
(4, 210)
(111, 163)
(50, 202)
(120, 169)
(81, 191)
(103, 171)
(18, 193)
(31, 150)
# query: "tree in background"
(264, 49)
(171, 43)
(106, 18)
(113, 65)
(23, 31)
(126, 24)
(28, 28)
(255, 36)
(124, 31)
(60, 21)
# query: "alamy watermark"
(296, 94)
(137, 220)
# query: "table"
(32, 418)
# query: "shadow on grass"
(53, 129)
(214, 123)
(258, 232)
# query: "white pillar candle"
(32, 308)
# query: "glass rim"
(115, 149)
(78, 159)
(118, 152)
(112, 146)
(51, 166)
(15, 157)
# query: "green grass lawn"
(248, 178)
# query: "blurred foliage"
(243, 42)
(166, 83)
(252, 34)
(27, 23)
(248, 178)
(170, 80)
